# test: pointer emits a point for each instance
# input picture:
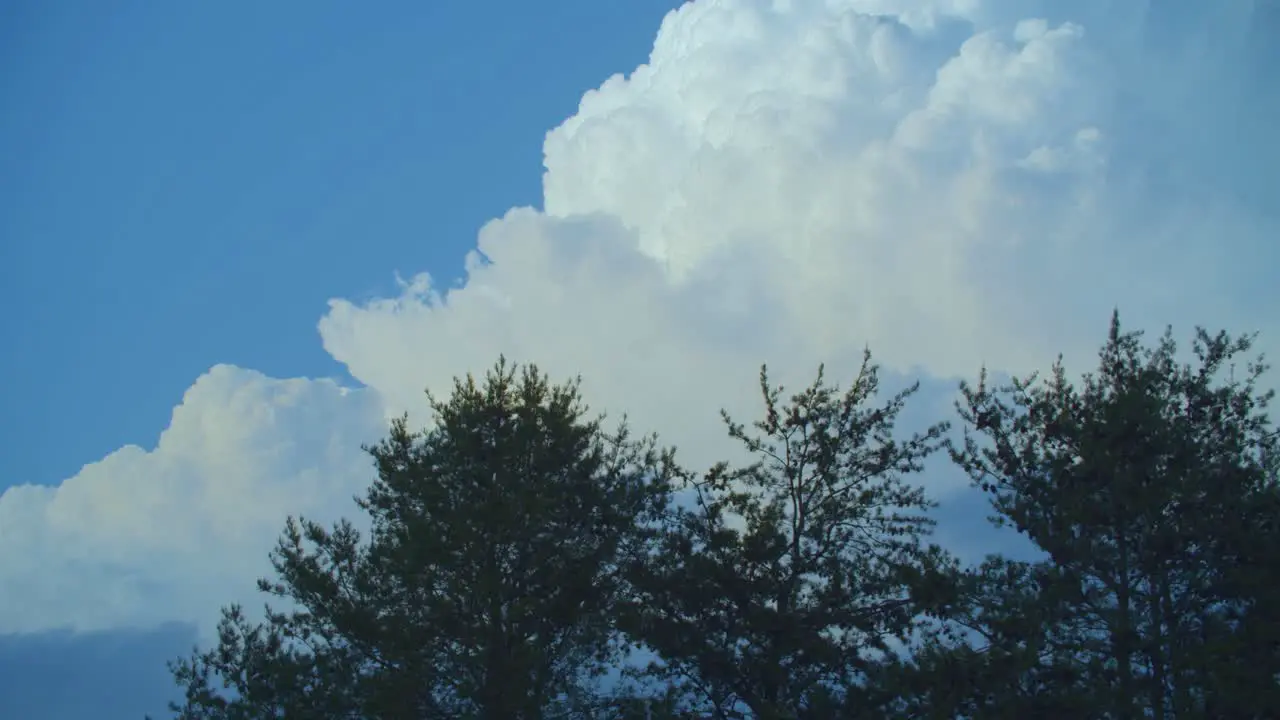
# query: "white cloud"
(140, 538)
(954, 183)
(789, 181)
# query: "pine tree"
(771, 595)
(1152, 490)
(486, 587)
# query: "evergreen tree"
(486, 587)
(773, 593)
(1152, 489)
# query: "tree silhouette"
(486, 587)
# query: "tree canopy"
(1151, 488)
(522, 561)
(769, 595)
(485, 587)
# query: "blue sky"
(205, 208)
(187, 183)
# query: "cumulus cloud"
(143, 537)
(952, 182)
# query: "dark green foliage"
(1152, 489)
(517, 552)
(789, 576)
(485, 589)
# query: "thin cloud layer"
(952, 183)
